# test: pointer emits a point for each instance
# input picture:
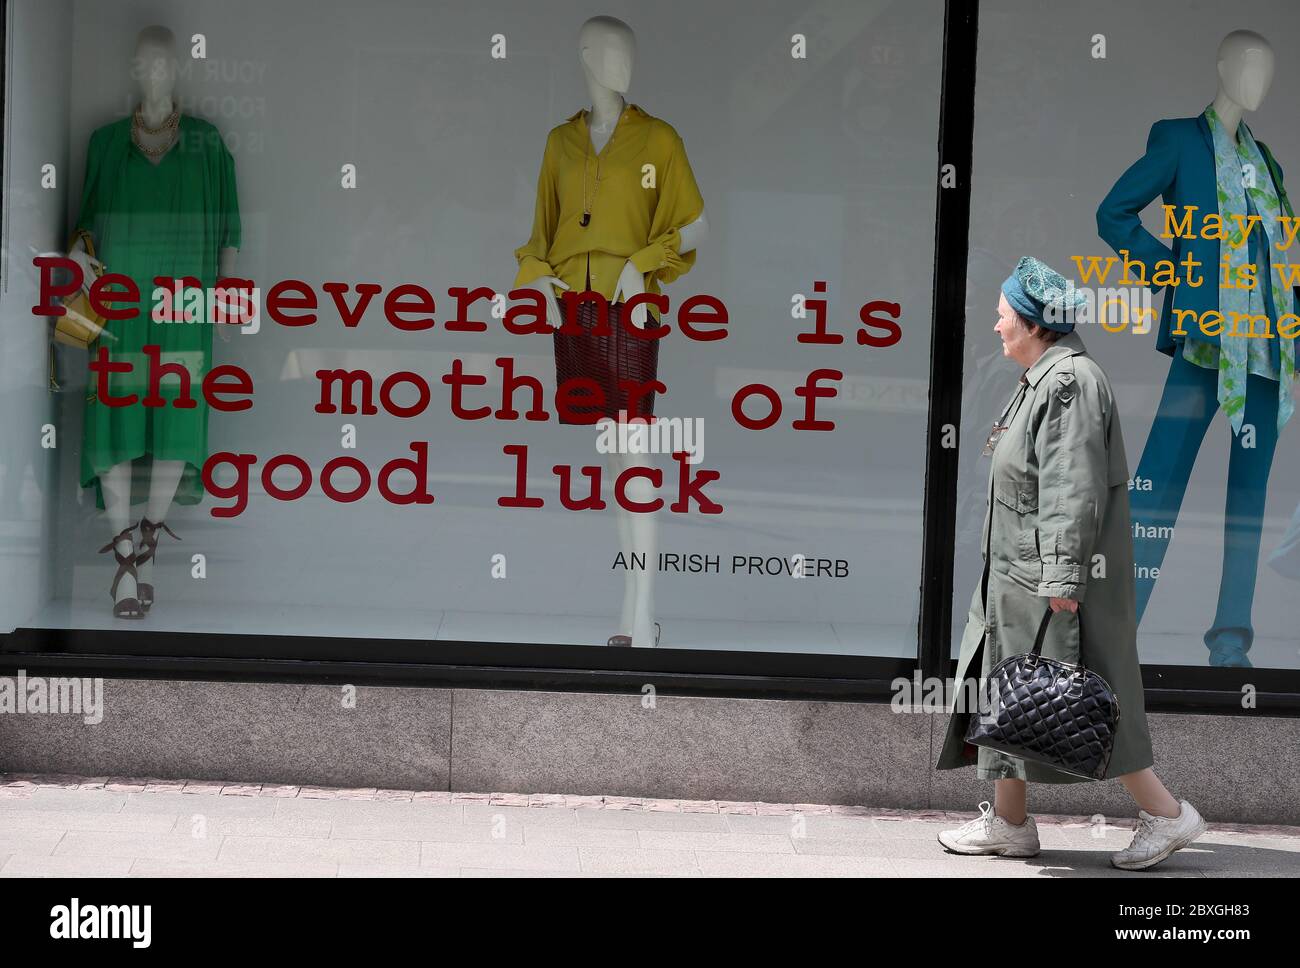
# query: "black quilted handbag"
(1038, 708)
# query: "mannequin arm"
(660, 252)
(1119, 217)
(692, 235)
(225, 269)
(631, 282)
(82, 258)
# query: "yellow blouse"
(636, 211)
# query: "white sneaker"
(1158, 837)
(990, 834)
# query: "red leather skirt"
(612, 360)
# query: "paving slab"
(40, 865)
(129, 827)
(306, 850)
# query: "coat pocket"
(1015, 535)
(1019, 496)
(1027, 541)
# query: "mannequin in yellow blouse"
(619, 213)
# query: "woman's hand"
(1064, 605)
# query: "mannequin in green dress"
(159, 200)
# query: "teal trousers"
(1187, 406)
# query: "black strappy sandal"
(128, 607)
(148, 551)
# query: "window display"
(416, 329)
(620, 234)
(1203, 220)
(338, 407)
(159, 201)
(1197, 165)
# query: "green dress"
(147, 220)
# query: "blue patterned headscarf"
(1042, 295)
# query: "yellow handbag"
(80, 325)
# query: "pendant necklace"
(586, 158)
(586, 204)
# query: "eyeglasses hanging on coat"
(999, 426)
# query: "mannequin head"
(1245, 68)
(607, 49)
(154, 66)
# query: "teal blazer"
(1179, 167)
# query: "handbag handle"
(88, 244)
(1042, 632)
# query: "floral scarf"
(1229, 164)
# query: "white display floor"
(825, 638)
(448, 625)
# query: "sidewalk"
(61, 826)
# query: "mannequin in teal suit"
(1179, 165)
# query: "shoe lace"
(1142, 834)
(981, 823)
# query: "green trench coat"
(1057, 526)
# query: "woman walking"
(1057, 532)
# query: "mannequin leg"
(1187, 406)
(629, 582)
(1248, 469)
(163, 481)
(614, 461)
(645, 543)
(640, 532)
(115, 485)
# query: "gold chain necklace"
(169, 125)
